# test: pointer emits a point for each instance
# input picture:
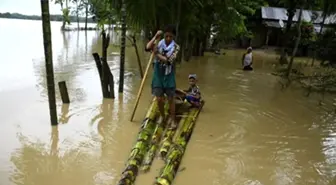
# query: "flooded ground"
(249, 133)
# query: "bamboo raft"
(152, 136)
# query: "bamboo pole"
(142, 85)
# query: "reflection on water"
(249, 133)
(64, 118)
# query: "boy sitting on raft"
(193, 94)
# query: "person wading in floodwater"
(163, 82)
(247, 60)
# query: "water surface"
(249, 133)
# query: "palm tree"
(48, 60)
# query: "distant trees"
(37, 17)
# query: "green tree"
(195, 25)
(65, 12)
(291, 6)
(328, 8)
(297, 42)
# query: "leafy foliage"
(308, 35)
(327, 46)
(102, 12)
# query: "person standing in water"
(247, 60)
(163, 82)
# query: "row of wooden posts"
(105, 74)
(106, 77)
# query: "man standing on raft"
(163, 82)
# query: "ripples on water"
(249, 133)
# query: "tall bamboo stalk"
(49, 61)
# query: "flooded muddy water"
(250, 132)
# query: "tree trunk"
(63, 25)
(86, 14)
(320, 35)
(122, 47)
(187, 48)
(63, 21)
(191, 48)
(178, 18)
(297, 42)
(77, 15)
(105, 67)
(291, 12)
(49, 61)
(138, 56)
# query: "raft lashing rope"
(171, 147)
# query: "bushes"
(308, 38)
(326, 47)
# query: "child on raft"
(247, 60)
(193, 93)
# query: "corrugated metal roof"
(277, 24)
(329, 20)
(273, 13)
(276, 13)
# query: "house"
(274, 21)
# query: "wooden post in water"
(105, 68)
(100, 71)
(108, 91)
(64, 92)
(105, 74)
(111, 85)
(48, 61)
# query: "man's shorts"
(160, 92)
